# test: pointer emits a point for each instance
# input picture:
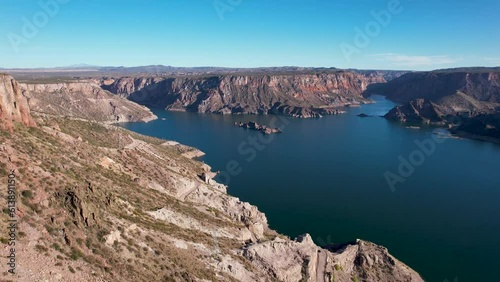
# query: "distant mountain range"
(161, 69)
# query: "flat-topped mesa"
(261, 128)
(13, 104)
(299, 95)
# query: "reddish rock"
(417, 111)
(298, 95)
(13, 104)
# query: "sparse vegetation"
(76, 217)
(41, 248)
(27, 194)
(76, 254)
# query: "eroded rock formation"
(466, 100)
(13, 104)
(417, 111)
(300, 95)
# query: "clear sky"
(416, 34)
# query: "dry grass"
(69, 196)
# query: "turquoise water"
(326, 177)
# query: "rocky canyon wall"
(299, 95)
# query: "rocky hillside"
(82, 99)
(483, 127)
(456, 91)
(100, 203)
(299, 95)
(13, 104)
(417, 112)
(446, 97)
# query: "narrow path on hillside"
(321, 266)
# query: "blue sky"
(414, 34)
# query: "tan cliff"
(299, 95)
(13, 104)
(101, 203)
(83, 99)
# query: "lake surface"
(327, 177)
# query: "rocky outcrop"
(13, 104)
(454, 92)
(416, 112)
(261, 128)
(299, 95)
(482, 127)
(83, 99)
(465, 100)
(473, 90)
(302, 260)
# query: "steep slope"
(482, 127)
(83, 99)
(417, 111)
(13, 104)
(453, 91)
(451, 97)
(96, 210)
(300, 95)
(100, 203)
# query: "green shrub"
(27, 194)
(75, 254)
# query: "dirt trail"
(321, 266)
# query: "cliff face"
(457, 91)
(301, 95)
(482, 127)
(417, 111)
(83, 99)
(380, 76)
(467, 101)
(13, 104)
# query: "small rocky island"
(363, 115)
(261, 128)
